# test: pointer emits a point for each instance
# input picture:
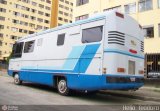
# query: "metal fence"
(152, 65)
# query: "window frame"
(14, 51)
(59, 37)
(84, 42)
(26, 45)
(145, 34)
(145, 5)
(129, 7)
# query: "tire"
(62, 87)
(17, 81)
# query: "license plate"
(133, 79)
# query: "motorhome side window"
(92, 34)
(60, 40)
(17, 50)
(29, 46)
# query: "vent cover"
(142, 46)
(115, 37)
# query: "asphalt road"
(35, 94)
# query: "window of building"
(60, 18)
(61, 6)
(82, 17)
(66, 20)
(20, 30)
(47, 8)
(17, 50)
(41, 13)
(60, 12)
(32, 25)
(81, 2)
(148, 32)
(33, 10)
(61, 0)
(60, 40)
(33, 18)
(158, 3)
(67, 2)
(92, 34)
(66, 14)
(130, 8)
(31, 32)
(3, 2)
(15, 21)
(48, 1)
(28, 9)
(26, 16)
(34, 3)
(16, 13)
(41, 6)
(1, 35)
(29, 46)
(117, 8)
(46, 28)
(13, 37)
(145, 5)
(71, 4)
(39, 27)
(47, 14)
(2, 18)
(67, 8)
(1, 26)
(59, 24)
(2, 10)
(1, 43)
(26, 1)
(46, 21)
(14, 29)
(40, 20)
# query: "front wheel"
(62, 87)
(17, 80)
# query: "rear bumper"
(107, 82)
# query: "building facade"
(62, 11)
(22, 17)
(146, 12)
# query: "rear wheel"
(62, 87)
(17, 80)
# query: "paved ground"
(34, 94)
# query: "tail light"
(133, 51)
(121, 70)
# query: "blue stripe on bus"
(73, 57)
(123, 53)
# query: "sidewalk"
(146, 93)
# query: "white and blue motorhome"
(102, 52)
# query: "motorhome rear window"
(92, 34)
(29, 46)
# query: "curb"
(119, 94)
